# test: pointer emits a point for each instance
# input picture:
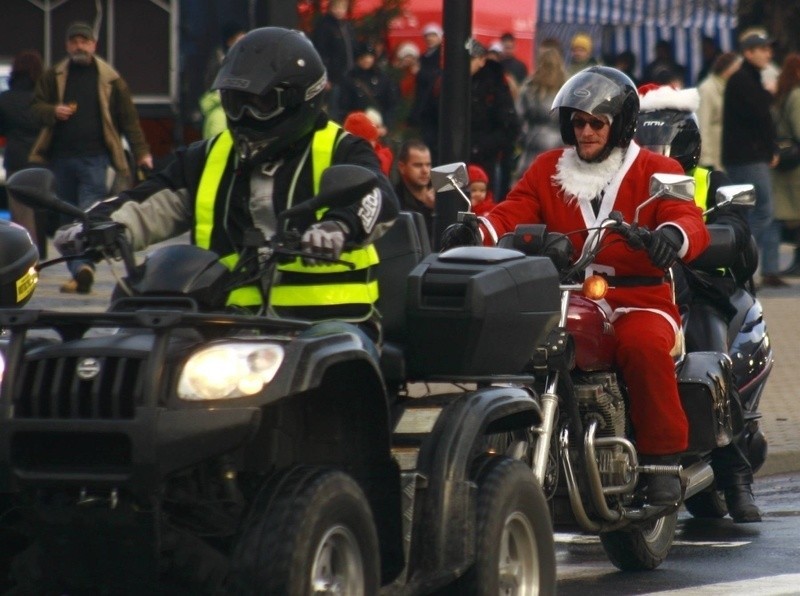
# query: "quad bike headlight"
(227, 371)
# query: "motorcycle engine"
(600, 399)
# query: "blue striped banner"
(636, 25)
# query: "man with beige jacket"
(709, 114)
(84, 107)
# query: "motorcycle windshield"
(655, 138)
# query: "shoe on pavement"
(741, 504)
(773, 281)
(81, 283)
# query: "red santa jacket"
(539, 197)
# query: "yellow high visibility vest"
(316, 286)
(701, 178)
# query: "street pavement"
(780, 403)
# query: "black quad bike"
(170, 445)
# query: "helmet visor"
(655, 135)
(591, 92)
(265, 107)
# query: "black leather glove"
(664, 246)
(325, 238)
(464, 233)
(559, 248)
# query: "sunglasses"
(595, 123)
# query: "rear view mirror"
(449, 177)
(344, 185)
(35, 187)
(743, 195)
(668, 186)
(340, 186)
(673, 186)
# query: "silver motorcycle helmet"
(271, 83)
(600, 91)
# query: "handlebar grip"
(638, 237)
(646, 236)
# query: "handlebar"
(637, 237)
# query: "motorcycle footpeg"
(660, 470)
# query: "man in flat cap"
(749, 145)
(84, 106)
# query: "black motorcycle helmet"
(673, 133)
(271, 83)
(600, 91)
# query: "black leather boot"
(741, 504)
(661, 489)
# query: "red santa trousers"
(644, 342)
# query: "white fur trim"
(581, 180)
(489, 228)
(623, 310)
(668, 98)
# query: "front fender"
(308, 358)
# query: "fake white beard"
(583, 181)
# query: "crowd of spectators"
(511, 120)
(392, 100)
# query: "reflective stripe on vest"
(213, 171)
(701, 176)
(320, 291)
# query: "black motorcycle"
(736, 321)
(582, 452)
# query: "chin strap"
(249, 150)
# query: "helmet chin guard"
(250, 150)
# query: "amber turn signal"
(595, 287)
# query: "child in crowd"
(368, 125)
(479, 194)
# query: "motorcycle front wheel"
(641, 547)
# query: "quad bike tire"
(514, 551)
(310, 531)
(707, 504)
(641, 547)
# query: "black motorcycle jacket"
(168, 205)
(175, 190)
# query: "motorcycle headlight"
(228, 371)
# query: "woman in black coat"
(19, 126)
(494, 124)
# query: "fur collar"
(584, 181)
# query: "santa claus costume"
(558, 189)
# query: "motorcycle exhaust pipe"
(696, 478)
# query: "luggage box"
(475, 311)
